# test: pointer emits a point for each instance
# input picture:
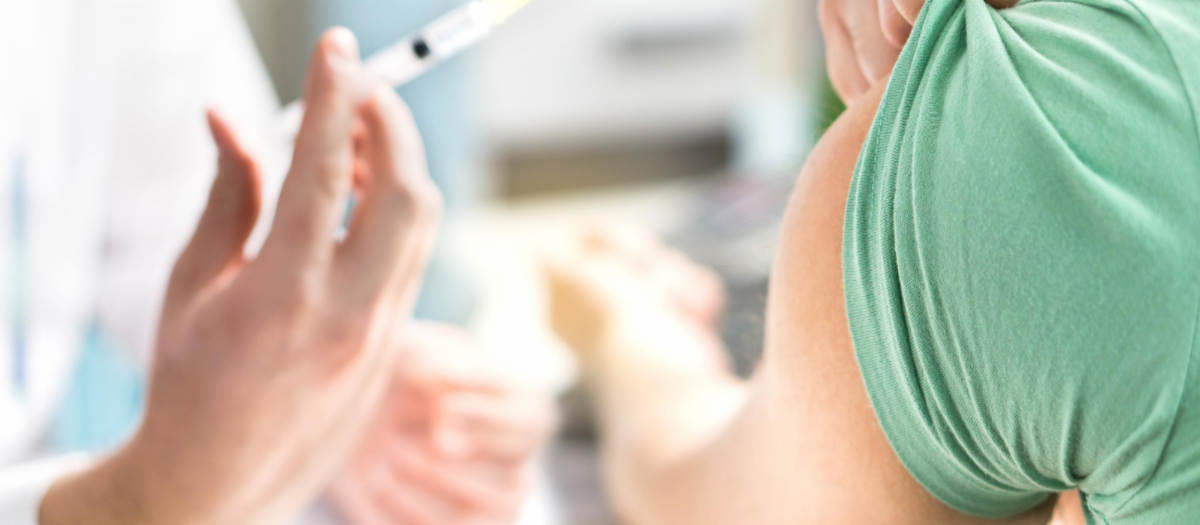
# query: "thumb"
(895, 23)
(909, 10)
(233, 207)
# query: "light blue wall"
(440, 99)
(106, 398)
(441, 102)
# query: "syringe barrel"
(460, 28)
(399, 63)
(445, 37)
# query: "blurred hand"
(608, 282)
(268, 371)
(863, 38)
(452, 444)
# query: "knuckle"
(909, 9)
(381, 104)
(398, 107)
(293, 226)
(374, 109)
(419, 201)
(306, 292)
(396, 194)
(294, 297)
(893, 30)
(875, 66)
(428, 202)
(228, 323)
(347, 326)
(331, 172)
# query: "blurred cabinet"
(576, 92)
(577, 71)
(592, 91)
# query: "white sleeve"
(168, 61)
(23, 486)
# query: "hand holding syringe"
(410, 58)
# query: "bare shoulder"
(810, 394)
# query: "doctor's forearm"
(110, 493)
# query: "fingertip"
(841, 63)
(396, 149)
(897, 33)
(849, 82)
(381, 108)
(878, 68)
(374, 108)
(213, 116)
(218, 127)
(336, 69)
(909, 9)
(339, 43)
(231, 151)
(844, 92)
(896, 28)
(381, 96)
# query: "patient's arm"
(685, 442)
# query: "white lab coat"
(104, 101)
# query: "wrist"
(115, 491)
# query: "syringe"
(407, 59)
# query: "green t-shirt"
(1022, 256)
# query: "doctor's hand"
(452, 443)
(267, 371)
(863, 39)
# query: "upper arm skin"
(807, 447)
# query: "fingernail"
(345, 45)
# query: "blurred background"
(687, 117)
